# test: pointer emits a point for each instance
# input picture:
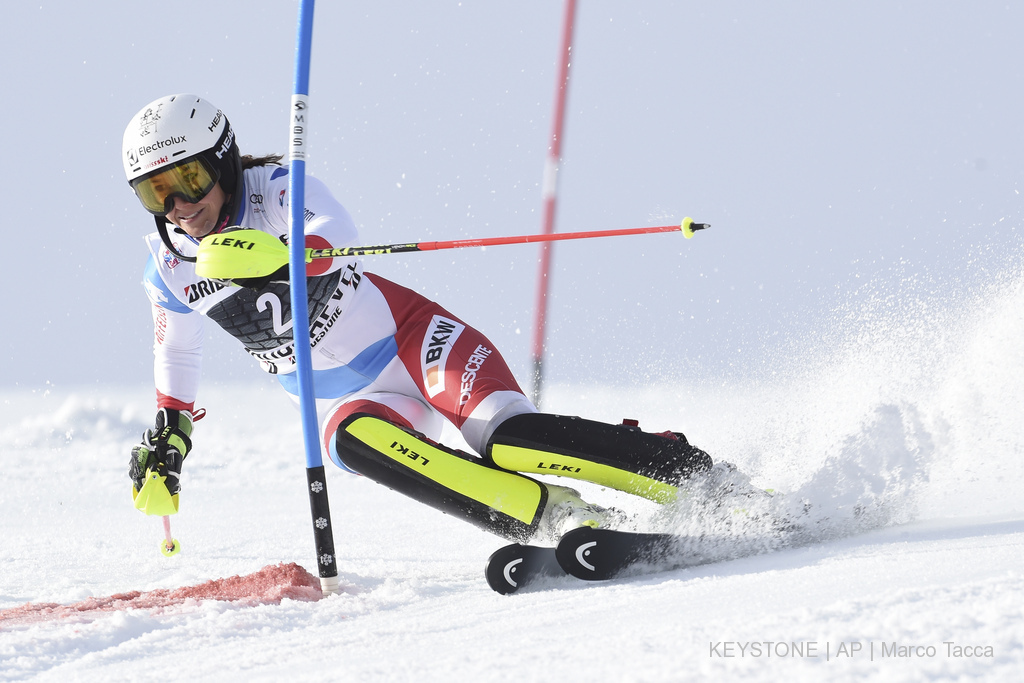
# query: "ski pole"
(248, 253)
(169, 546)
(687, 227)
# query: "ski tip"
(689, 227)
(601, 554)
(575, 553)
(514, 566)
(504, 567)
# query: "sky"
(842, 152)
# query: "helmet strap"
(161, 227)
(232, 208)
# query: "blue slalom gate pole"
(319, 506)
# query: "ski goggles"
(191, 180)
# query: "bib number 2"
(273, 302)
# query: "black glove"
(163, 449)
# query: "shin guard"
(621, 457)
(467, 487)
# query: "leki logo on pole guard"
(437, 344)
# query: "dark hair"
(249, 161)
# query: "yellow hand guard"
(154, 498)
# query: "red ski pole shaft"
(687, 228)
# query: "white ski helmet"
(189, 144)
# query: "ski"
(516, 565)
(600, 554)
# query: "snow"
(898, 423)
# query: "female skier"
(389, 366)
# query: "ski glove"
(162, 451)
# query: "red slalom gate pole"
(550, 188)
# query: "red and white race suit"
(376, 346)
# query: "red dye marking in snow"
(268, 586)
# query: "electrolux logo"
(160, 144)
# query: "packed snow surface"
(897, 431)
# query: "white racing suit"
(389, 368)
(375, 346)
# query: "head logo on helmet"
(226, 146)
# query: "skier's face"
(198, 219)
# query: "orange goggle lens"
(191, 180)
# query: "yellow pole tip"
(171, 550)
